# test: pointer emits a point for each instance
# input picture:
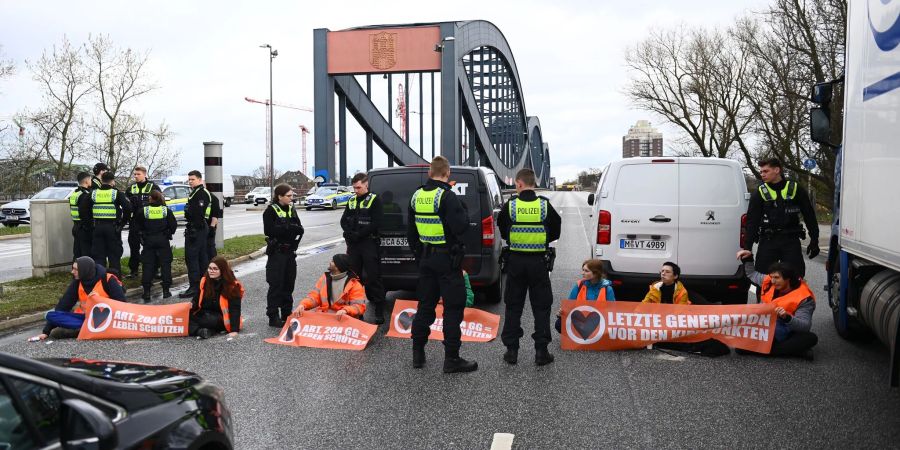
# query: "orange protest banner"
(624, 325)
(112, 319)
(324, 330)
(477, 325)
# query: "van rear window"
(646, 184)
(396, 190)
(708, 185)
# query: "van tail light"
(487, 231)
(734, 286)
(604, 227)
(743, 239)
(617, 283)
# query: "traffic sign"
(809, 164)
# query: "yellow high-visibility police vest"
(364, 204)
(528, 233)
(282, 214)
(425, 204)
(787, 193)
(104, 207)
(73, 205)
(156, 212)
(208, 211)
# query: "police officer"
(528, 223)
(283, 231)
(215, 213)
(437, 221)
(360, 222)
(99, 169)
(157, 224)
(197, 211)
(111, 211)
(139, 196)
(83, 220)
(773, 218)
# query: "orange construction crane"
(269, 125)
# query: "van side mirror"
(821, 93)
(820, 126)
(591, 199)
(85, 426)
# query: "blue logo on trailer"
(886, 40)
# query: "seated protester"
(592, 286)
(216, 306)
(88, 278)
(794, 304)
(337, 290)
(670, 290)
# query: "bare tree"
(63, 80)
(691, 79)
(791, 46)
(119, 77)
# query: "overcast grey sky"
(205, 58)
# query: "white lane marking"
(502, 441)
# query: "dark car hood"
(159, 379)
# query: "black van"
(477, 188)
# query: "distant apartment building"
(642, 140)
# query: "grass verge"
(9, 231)
(36, 294)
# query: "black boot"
(276, 322)
(189, 293)
(542, 357)
(459, 365)
(146, 295)
(511, 356)
(378, 318)
(418, 357)
(166, 292)
(204, 333)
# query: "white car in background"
(18, 212)
(691, 211)
(258, 195)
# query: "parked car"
(78, 403)
(227, 185)
(477, 188)
(18, 212)
(258, 195)
(328, 196)
(691, 211)
(176, 196)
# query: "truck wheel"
(879, 306)
(227, 201)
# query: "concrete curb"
(14, 324)
(15, 236)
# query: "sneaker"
(204, 333)
(511, 356)
(459, 365)
(542, 357)
(63, 333)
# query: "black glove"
(813, 249)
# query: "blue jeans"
(65, 319)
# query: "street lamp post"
(271, 155)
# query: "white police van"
(690, 211)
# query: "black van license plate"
(642, 244)
(394, 242)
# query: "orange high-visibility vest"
(352, 299)
(582, 292)
(98, 288)
(223, 305)
(790, 301)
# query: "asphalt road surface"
(15, 254)
(286, 397)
